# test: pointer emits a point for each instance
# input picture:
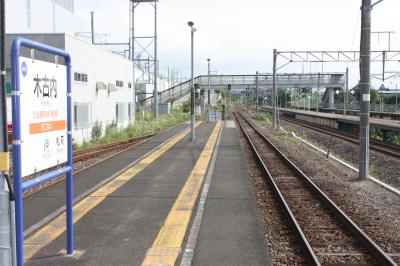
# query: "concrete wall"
(38, 18)
(100, 66)
(317, 120)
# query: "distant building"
(103, 86)
(102, 82)
(40, 16)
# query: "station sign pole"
(42, 125)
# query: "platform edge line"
(188, 254)
(167, 245)
(54, 227)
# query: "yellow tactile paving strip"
(56, 227)
(167, 245)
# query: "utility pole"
(318, 92)
(92, 27)
(345, 98)
(132, 40)
(396, 99)
(208, 91)
(274, 89)
(155, 92)
(192, 94)
(365, 61)
(7, 249)
(256, 91)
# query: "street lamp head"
(208, 59)
(190, 23)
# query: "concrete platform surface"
(230, 232)
(384, 123)
(141, 216)
(44, 203)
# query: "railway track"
(379, 146)
(86, 158)
(328, 236)
(85, 154)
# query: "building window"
(82, 77)
(82, 115)
(120, 112)
(119, 83)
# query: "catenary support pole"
(365, 57)
(274, 89)
(396, 100)
(133, 62)
(155, 92)
(346, 92)
(256, 91)
(6, 246)
(318, 92)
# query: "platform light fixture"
(209, 90)
(192, 89)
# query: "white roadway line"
(188, 254)
(57, 212)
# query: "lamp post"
(155, 91)
(208, 91)
(192, 94)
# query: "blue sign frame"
(19, 186)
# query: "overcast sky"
(239, 36)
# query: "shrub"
(186, 106)
(97, 130)
(111, 128)
(395, 140)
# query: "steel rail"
(268, 178)
(381, 147)
(376, 252)
(84, 154)
(45, 186)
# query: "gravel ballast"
(374, 209)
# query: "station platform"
(385, 123)
(168, 201)
(338, 120)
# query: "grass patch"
(259, 117)
(374, 171)
(139, 129)
(284, 137)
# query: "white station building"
(103, 87)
